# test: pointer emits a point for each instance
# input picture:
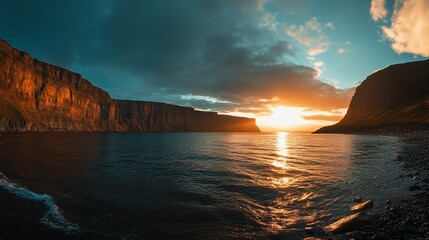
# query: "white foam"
(53, 217)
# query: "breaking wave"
(52, 217)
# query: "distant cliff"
(36, 96)
(395, 99)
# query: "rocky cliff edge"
(395, 99)
(40, 97)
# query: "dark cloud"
(159, 50)
(58, 31)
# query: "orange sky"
(282, 118)
(291, 119)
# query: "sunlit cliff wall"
(393, 99)
(36, 96)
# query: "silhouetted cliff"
(36, 96)
(395, 99)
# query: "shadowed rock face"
(393, 99)
(36, 96)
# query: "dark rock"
(408, 221)
(413, 229)
(356, 234)
(357, 199)
(393, 210)
(409, 236)
(313, 230)
(309, 230)
(362, 206)
(414, 188)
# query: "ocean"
(189, 185)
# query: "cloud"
(409, 28)
(341, 50)
(378, 10)
(318, 64)
(231, 53)
(330, 25)
(311, 35)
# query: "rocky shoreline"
(407, 218)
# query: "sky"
(291, 64)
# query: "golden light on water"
(280, 162)
(281, 182)
(280, 213)
(282, 151)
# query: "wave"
(53, 217)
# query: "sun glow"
(283, 118)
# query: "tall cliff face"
(36, 96)
(152, 116)
(395, 98)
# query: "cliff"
(36, 96)
(395, 99)
(152, 116)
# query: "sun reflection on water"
(285, 211)
(280, 162)
(282, 151)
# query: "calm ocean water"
(197, 185)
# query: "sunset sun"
(283, 118)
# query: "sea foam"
(52, 217)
